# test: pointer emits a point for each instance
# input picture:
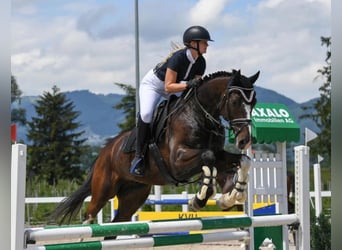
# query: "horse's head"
(231, 96)
(239, 102)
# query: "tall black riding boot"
(137, 165)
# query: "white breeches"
(151, 91)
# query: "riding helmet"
(195, 33)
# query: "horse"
(191, 144)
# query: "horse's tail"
(68, 208)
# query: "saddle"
(157, 126)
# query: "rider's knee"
(146, 116)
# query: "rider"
(181, 70)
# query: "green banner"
(272, 122)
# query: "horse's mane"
(217, 74)
(242, 81)
(209, 77)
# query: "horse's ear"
(254, 77)
(236, 72)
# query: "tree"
(127, 104)
(320, 231)
(18, 115)
(320, 111)
(56, 150)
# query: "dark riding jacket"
(185, 67)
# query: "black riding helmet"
(195, 33)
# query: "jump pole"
(157, 227)
(154, 241)
(129, 228)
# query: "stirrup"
(137, 167)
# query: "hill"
(99, 119)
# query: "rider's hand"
(192, 83)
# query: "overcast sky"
(90, 44)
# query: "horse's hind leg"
(103, 189)
(131, 196)
(95, 205)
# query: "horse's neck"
(209, 96)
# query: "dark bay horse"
(192, 144)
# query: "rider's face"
(203, 45)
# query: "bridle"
(239, 123)
(234, 124)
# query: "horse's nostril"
(243, 143)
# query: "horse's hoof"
(194, 205)
(227, 200)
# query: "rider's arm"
(171, 86)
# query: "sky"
(90, 44)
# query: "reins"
(209, 117)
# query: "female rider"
(181, 70)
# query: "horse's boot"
(137, 165)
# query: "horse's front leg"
(208, 185)
(187, 162)
(238, 193)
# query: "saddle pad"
(129, 143)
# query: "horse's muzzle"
(244, 143)
(243, 136)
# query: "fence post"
(249, 201)
(302, 195)
(185, 207)
(318, 189)
(18, 183)
(157, 193)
